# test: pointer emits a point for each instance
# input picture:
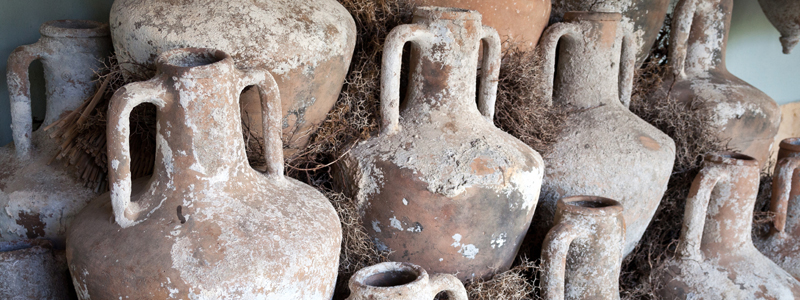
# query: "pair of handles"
(782, 189)
(549, 44)
(19, 88)
(155, 92)
(420, 34)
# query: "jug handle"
(19, 89)
(118, 133)
(272, 115)
(554, 258)
(679, 36)
(548, 45)
(781, 188)
(449, 284)
(490, 72)
(628, 69)
(390, 72)
(694, 217)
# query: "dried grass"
(518, 283)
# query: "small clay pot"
(402, 281)
(33, 269)
(582, 253)
(785, 16)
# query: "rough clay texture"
(604, 150)
(521, 22)
(785, 16)
(743, 115)
(403, 281)
(38, 200)
(716, 258)
(32, 269)
(205, 225)
(433, 185)
(782, 244)
(582, 254)
(641, 19)
(306, 45)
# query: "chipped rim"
(791, 144)
(590, 205)
(194, 59)
(360, 278)
(74, 29)
(591, 16)
(731, 158)
(447, 13)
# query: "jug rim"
(74, 29)
(731, 158)
(446, 13)
(590, 205)
(791, 144)
(360, 279)
(592, 16)
(191, 58)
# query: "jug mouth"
(447, 13)
(591, 16)
(590, 205)
(731, 158)
(388, 275)
(192, 58)
(791, 144)
(74, 29)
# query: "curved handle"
(694, 217)
(781, 189)
(390, 72)
(679, 35)
(554, 258)
(118, 137)
(272, 115)
(450, 285)
(627, 67)
(490, 72)
(19, 90)
(548, 45)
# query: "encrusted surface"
(32, 269)
(785, 16)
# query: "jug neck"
(708, 38)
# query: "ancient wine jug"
(39, 200)
(641, 19)
(781, 244)
(716, 258)
(403, 281)
(205, 224)
(307, 45)
(33, 269)
(785, 16)
(582, 253)
(604, 149)
(440, 168)
(742, 115)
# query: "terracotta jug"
(36, 199)
(785, 16)
(716, 258)
(403, 281)
(33, 269)
(307, 45)
(519, 21)
(781, 244)
(582, 253)
(205, 225)
(744, 116)
(433, 185)
(641, 19)
(605, 149)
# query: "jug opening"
(590, 205)
(75, 24)
(74, 29)
(392, 278)
(24, 244)
(447, 13)
(791, 144)
(193, 57)
(731, 158)
(591, 16)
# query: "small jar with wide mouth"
(402, 281)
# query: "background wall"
(754, 52)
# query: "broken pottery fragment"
(641, 19)
(206, 225)
(582, 253)
(785, 16)
(743, 116)
(38, 200)
(716, 258)
(307, 46)
(403, 281)
(33, 269)
(441, 186)
(604, 149)
(782, 243)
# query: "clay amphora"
(716, 258)
(744, 116)
(781, 244)
(205, 225)
(441, 186)
(402, 281)
(785, 16)
(519, 21)
(641, 19)
(33, 269)
(36, 199)
(605, 149)
(307, 45)
(582, 253)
